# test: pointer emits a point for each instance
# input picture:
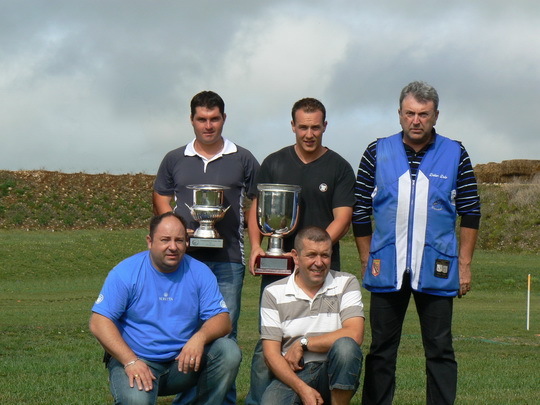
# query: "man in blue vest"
(414, 184)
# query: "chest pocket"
(329, 305)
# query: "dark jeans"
(341, 371)
(219, 369)
(260, 376)
(387, 312)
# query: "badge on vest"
(441, 268)
(376, 267)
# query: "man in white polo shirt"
(312, 326)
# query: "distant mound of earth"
(508, 171)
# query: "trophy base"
(274, 265)
(206, 242)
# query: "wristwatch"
(304, 342)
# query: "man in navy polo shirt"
(212, 159)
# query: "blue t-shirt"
(157, 313)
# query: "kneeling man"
(161, 318)
(312, 326)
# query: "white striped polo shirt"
(288, 313)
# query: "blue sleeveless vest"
(415, 220)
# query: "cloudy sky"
(104, 86)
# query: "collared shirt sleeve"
(365, 185)
(351, 300)
(467, 197)
(270, 319)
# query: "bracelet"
(132, 362)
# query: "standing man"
(212, 159)
(161, 318)
(415, 183)
(326, 200)
(312, 328)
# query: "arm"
(217, 326)
(279, 366)
(467, 243)
(363, 244)
(352, 327)
(255, 237)
(161, 203)
(365, 185)
(108, 335)
(341, 223)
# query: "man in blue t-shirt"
(161, 318)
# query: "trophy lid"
(209, 187)
(278, 187)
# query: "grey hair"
(422, 92)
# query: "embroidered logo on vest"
(376, 267)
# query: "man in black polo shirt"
(326, 200)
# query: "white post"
(528, 299)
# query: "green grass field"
(49, 281)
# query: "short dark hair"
(156, 220)
(207, 99)
(309, 105)
(312, 233)
(422, 92)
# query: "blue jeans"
(387, 312)
(218, 371)
(230, 278)
(261, 376)
(341, 371)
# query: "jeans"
(261, 376)
(341, 371)
(387, 312)
(218, 371)
(230, 278)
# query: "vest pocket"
(439, 271)
(381, 268)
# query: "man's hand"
(255, 251)
(467, 242)
(140, 374)
(310, 396)
(260, 252)
(295, 356)
(465, 279)
(190, 357)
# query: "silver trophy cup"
(277, 216)
(207, 209)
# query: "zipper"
(410, 226)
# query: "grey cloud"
(105, 85)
